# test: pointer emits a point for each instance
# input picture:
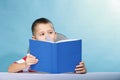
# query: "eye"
(50, 32)
(42, 34)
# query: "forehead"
(43, 26)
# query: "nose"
(47, 37)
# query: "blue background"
(96, 22)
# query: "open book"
(56, 57)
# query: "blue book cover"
(57, 57)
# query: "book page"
(67, 40)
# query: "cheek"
(53, 38)
(40, 38)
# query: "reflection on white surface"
(114, 5)
(37, 76)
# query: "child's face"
(42, 31)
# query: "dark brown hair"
(40, 20)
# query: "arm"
(15, 67)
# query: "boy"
(42, 28)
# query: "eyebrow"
(51, 30)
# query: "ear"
(33, 37)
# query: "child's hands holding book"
(80, 69)
(30, 60)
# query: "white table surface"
(38, 76)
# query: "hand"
(30, 60)
(80, 69)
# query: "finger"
(36, 61)
(80, 66)
(32, 62)
(81, 72)
(77, 72)
(79, 69)
(31, 56)
(81, 63)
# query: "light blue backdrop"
(96, 22)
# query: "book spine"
(54, 59)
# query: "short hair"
(40, 20)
